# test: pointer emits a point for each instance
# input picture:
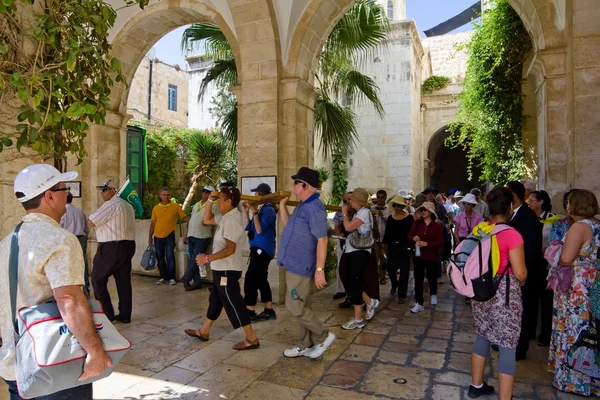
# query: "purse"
(48, 358)
(362, 241)
(148, 262)
(584, 355)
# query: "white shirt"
(364, 215)
(515, 212)
(381, 220)
(229, 227)
(115, 220)
(49, 257)
(75, 221)
(195, 227)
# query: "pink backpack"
(470, 270)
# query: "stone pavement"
(397, 355)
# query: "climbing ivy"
(340, 182)
(490, 117)
(434, 83)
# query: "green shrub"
(434, 83)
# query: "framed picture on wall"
(250, 182)
(75, 188)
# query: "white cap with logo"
(37, 178)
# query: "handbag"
(149, 258)
(584, 355)
(48, 357)
(362, 241)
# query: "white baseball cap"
(37, 178)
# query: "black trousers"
(257, 277)
(114, 259)
(423, 267)
(357, 262)
(530, 310)
(398, 259)
(227, 296)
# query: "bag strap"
(13, 276)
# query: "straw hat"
(397, 199)
(429, 207)
(361, 196)
(469, 199)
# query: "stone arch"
(141, 31)
(446, 168)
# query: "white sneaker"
(371, 309)
(433, 300)
(161, 281)
(417, 308)
(319, 349)
(297, 352)
(354, 323)
(172, 282)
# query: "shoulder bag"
(362, 241)
(48, 357)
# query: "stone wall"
(200, 117)
(446, 60)
(162, 75)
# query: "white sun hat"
(37, 178)
(470, 199)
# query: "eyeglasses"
(67, 189)
(396, 205)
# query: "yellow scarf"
(486, 228)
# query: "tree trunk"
(190, 195)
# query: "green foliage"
(60, 82)
(490, 117)
(331, 260)
(324, 174)
(434, 83)
(340, 183)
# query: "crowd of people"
(549, 261)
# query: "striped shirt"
(115, 220)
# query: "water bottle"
(202, 268)
(295, 295)
(417, 250)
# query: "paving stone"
(300, 372)
(374, 327)
(380, 379)
(412, 329)
(462, 347)
(442, 325)
(224, 381)
(460, 361)
(465, 337)
(412, 320)
(439, 333)
(437, 345)
(398, 347)
(260, 359)
(269, 391)
(176, 374)
(404, 338)
(445, 392)
(428, 360)
(443, 316)
(344, 374)
(369, 339)
(206, 358)
(393, 357)
(156, 357)
(456, 378)
(325, 392)
(386, 320)
(359, 353)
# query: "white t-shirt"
(364, 215)
(229, 227)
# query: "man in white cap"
(199, 237)
(50, 265)
(115, 232)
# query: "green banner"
(129, 194)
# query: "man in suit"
(527, 224)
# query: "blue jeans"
(195, 246)
(83, 392)
(165, 250)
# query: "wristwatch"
(319, 269)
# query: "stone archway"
(447, 167)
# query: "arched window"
(390, 9)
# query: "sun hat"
(361, 196)
(307, 175)
(208, 189)
(404, 193)
(263, 188)
(452, 191)
(458, 195)
(430, 189)
(397, 199)
(106, 185)
(469, 199)
(37, 178)
(429, 207)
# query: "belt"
(116, 241)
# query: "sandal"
(192, 333)
(246, 345)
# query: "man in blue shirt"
(261, 235)
(302, 253)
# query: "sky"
(426, 13)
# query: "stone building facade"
(168, 99)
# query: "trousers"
(83, 392)
(165, 251)
(195, 246)
(257, 277)
(423, 267)
(225, 293)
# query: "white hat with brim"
(429, 206)
(459, 195)
(37, 178)
(397, 199)
(469, 199)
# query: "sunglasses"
(106, 190)
(67, 189)
(396, 205)
(298, 182)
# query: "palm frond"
(356, 88)
(216, 45)
(222, 72)
(229, 127)
(206, 153)
(335, 125)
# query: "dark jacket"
(528, 225)
(434, 238)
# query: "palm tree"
(355, 38)
(206, 156)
